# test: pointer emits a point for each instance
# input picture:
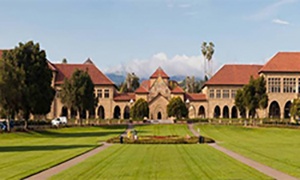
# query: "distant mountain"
(118, 78)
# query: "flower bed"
(160, 140)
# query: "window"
(289, 85)
(99, 93)
(225, 93)
(106, 93)
(218, 93)
(211, 93)
(233, 93)
(274, 85)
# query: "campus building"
(216, 100)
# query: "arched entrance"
(287, 109)
(201, 112)
(233, 112)
(159, 115)
(126, 114)
(217, 112)
(274, 110)
(73, 113)
(225, 112)
(101, 112)
(83, 114)
(64, 111)
(117, 112)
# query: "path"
(260, 167)
(57, 169)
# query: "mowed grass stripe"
(160, 162)
(274, 147)
(23, 154)
(163, 130)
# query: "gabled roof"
(177, 90)
(88, 61)
(283, 62)
(66, 71)
(124, 97)
(141, 90)
(234, 74)
(195, 96)
(159, 72)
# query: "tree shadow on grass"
(78, 134)
(41, 148)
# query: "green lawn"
(160, 162)
(276, 147)
(163, 129)
(23, 154)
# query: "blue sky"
(140, 35)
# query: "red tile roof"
(177, 90)
(238, 74)
(66, 71)
(159, 72)
(124, 97)
(1, 52)
(141, 90)
(51, 66)
(195, 96)
(283, 62)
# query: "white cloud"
(271, 10)
(177, 65)
(279, 21)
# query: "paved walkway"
(260, 167)
(57, 169)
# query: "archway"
(117, 112)
(274, 110)
(126, 114)
(73, 113)
(101, 112)
(217, 112)
(287, 109)
(159, 115)
(233, 112)
(64, 111)
(83, 114)
(225, 112)
(201, 112)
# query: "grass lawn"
(163, 129)
(276, 147)
(160, 162)
(23, 154)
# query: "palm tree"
(207, 52)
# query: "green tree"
(36, 92)
(78, 92)
(140, 109)
(177, 108)
(253, 96)
(295, 108)
(240, 102)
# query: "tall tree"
(36, 92)
(240, 102)
(78, 92)
(295, 108)
(207, 50)
(177, 108)
(130, 84)
(140, 109)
